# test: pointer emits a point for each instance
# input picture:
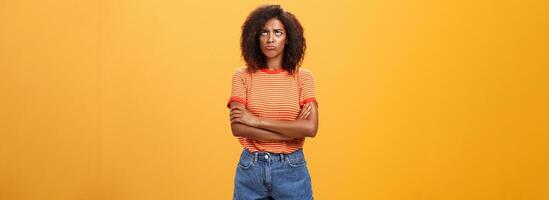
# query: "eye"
(263, 33)
(278, 33)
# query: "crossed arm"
(245, 124)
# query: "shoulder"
(305, 73)
(241, 72)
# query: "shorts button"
(266, 156)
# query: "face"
(272, 38)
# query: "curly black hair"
(294, 50)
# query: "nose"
(271, 38)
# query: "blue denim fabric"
(264, 175)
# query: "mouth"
(270, 47)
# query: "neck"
(274, 63)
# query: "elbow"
(311, 135)
(311, 131)
(235, 130)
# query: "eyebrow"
(278, 29)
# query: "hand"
(305, 111)
(239, 114)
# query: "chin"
(270, 55)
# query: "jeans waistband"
(268, 156)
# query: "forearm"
(243, 130)
(303, 126)
(290, 128)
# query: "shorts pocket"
(245, 162)
(297, 162)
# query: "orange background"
(417, 100)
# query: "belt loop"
(255, 157)
(281, 157)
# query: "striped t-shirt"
(273, 94)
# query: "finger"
(236, 120)
(235, 116)
(304, 115)
(301, 115)
(303, 111)
(241, 110)
(307, 113)
(236, 112)
(304, 107)
(238, 108)
(235, 108)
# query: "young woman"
(273, 108)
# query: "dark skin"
(245, 124)
(272, 40)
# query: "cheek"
(262, 40)
(283, 41)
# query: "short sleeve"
(238, 89)
(307, 87)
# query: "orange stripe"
(274, 95)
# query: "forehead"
(273, 23)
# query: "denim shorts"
(264, 175)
